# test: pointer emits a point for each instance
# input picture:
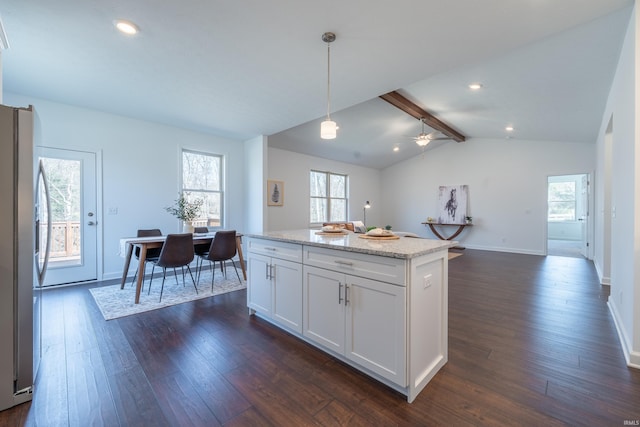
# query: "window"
(202, 178)
(328, 197)
(562, 201)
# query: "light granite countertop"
(404, 247)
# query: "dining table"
(127, 245)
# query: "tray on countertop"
(365, 236)
(332, 233)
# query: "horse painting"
(452, 204)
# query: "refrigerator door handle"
(42, 177)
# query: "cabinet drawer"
(384, 269)
(272, 248)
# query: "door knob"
(91, 223)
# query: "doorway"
(568, 215)
(71, 176)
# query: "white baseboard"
(631, 357)
(502, 249)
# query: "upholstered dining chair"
(177, 251)
(223, 248)
(152, 253)
(204, 247)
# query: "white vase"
(187, 227)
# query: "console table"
(440, 236)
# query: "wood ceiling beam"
(397, 100)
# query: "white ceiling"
(250, 67)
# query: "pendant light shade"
(328, 128)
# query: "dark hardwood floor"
(531, 342)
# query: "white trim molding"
(631, 357)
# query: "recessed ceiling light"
(475, 86)
(126, 27)
(509, 128)
(396, 148)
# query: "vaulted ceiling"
(246, 68)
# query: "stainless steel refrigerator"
(21, 268)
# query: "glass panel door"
(72, 191)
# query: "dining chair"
(202, 248)
(177, 251)
(152, 253)
(223, 248)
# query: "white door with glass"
(71, 176)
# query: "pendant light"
(328, 127)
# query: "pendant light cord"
(328, 81)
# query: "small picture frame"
(275, 193)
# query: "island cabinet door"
(287, 293)
(376, 327)
(323, 307)
(259, 284)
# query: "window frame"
(328, 197)
(574, 201)
(221, 179)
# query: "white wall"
(507, 182)
(256, 172)
(1, 79)
(141, 163)
(293, 169)
(624, 192)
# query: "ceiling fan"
(425, 138)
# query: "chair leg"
(198, 268)
(164, 276)
(175, 275)
(135, 275)
(153, 268)
(236, 268)
(194, 282)
(213, 274)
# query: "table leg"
(127, 261)
(241, 257)
(143, 257)
(453, 236)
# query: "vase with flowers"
(186, 209)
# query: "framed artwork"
(275, 193)
(452, 204)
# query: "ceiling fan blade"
(437, 136)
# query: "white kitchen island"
(379, 305)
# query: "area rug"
(115, 302)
